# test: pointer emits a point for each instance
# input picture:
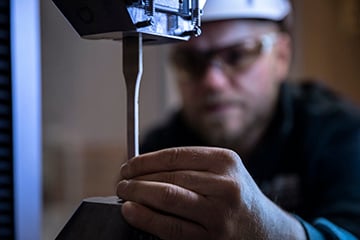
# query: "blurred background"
(83, 96)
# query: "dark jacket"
(308, 162)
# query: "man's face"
(229, 78)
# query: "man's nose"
(214, 77)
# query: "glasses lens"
(191, 61)
(230, 59)
(240, 56)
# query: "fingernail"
(128, 211)
(124, 171)
(121, 188)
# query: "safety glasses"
(231, 59)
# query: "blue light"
(26, 83)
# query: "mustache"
(220, 99)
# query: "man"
(278, 160)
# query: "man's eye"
(233, 57)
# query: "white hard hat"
(274, 10)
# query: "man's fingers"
(203, 183)
(213, 160)
(164, 226)
(165, 197)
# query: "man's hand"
(197, 193)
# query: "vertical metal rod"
(196, 12)
(132, 69)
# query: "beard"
(219, 133)
(221, 121)
(228, 122)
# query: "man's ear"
(283, 55)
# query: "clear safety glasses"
(231, 59)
